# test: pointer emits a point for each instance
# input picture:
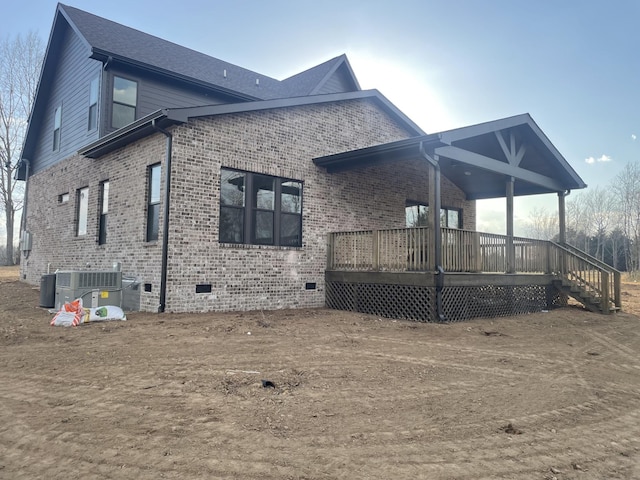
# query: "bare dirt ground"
(542, 396)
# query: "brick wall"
(279, 142)
(53, 224)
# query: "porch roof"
(478, 158)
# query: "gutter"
(165, 227)
(100, 55)
(437, 232)
(104, 144)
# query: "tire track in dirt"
(506, 353)
(617, 347)
(454, 365)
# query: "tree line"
(602, 221)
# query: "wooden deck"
(478, 272)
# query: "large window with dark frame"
(416, 215)
(260, 209)
(104, 210)
(125, 98)
(153, 203)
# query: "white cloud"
(601, 159)
(633, 137)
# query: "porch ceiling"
(479, 159)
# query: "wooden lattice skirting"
(418, 302)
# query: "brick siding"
(279, 142)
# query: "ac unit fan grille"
(98, 280)
(63, 279)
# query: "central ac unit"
(96, 289)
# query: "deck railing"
(465, 251)
(411, 249)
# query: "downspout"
(23, 219)
(437, 232)
(165, 227)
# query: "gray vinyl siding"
(69, 88)
(338, 83)
(154, 94)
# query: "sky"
(571, 64)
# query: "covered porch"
(433, 273)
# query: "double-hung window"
(125, 98)
(104, 210)
(153, 203)
(82, 211)
(57, 123)
(260, 209)
(94, 88)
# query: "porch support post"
(434, 217)
(511, 252)
(437, 205)
(562, 234)
(432, 260)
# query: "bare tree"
(20, 63)
(627, 189)
(541, 224)
(600, 206)
(577, 222)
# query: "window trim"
(443, 209)
(250, 210)
(103, 212)
(115, 102)
(82, 211)
(57, 127)
(93, 102)
(153, 206)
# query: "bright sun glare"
(407, 89)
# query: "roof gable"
(479, 158)
(316, 80)
(108, 41)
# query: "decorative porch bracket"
(490, 164)
(514, 158)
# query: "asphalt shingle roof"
(125, 43)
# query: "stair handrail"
(576, 251)
(617, 274)
(606, 270)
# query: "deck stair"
(591, 282)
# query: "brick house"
(217, 187)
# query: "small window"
(416, 215)
(125, 96)
(203, 288)
(104, 210)
(57, 123)
(153, 206)
(259, 209)
(82, 211)
(63, 198)
(93, 104)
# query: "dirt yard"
(549, 395)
